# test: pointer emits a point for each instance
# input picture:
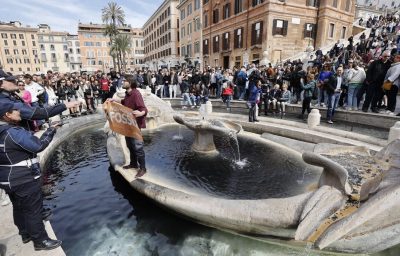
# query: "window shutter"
(306, 32)
(274, 27)
(261, 32)
(253, 34)
(235, 39)
(285, 27)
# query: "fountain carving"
(353, 208)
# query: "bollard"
(314, 118)
(394, 132)
(148, 90)
(208, 107)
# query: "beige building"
(237, 32)
(53, 49)
(74, 51)
(190, 32)
(161, 37)
(19, 48)
(95, 47)
(137, 49)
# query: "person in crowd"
(393, 77)
(185, 91)
(285, 99)
(133, 100)
(308, 86)
(34, 88)
(8, 88)
(160, 83)
(356, 77)
(173, 88)
(227, 94)
(333, 89)
(20, 175)
(241, 81)
(323, 77)
(24, 94)
(89, 97)
(52, 97)
(275, 95)
(105, 88)
(253, 100)
(375, 76)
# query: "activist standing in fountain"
(134, 100)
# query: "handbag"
(387, 85)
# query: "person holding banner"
(134, 100)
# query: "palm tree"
(114, 16)
(122, 45)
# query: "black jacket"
(16, 145)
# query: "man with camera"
(20, 175)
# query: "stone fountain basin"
(219, 207)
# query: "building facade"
(19, 48)
(54, 53)
(137, 49)
(190, 32)
(161, 37)
(74, 50)
(95, 47)
(237, 32)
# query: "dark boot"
(46, 245)
(26, 238)
(130, 166)
(140, 173)
(251, 115)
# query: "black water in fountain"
(96, 212)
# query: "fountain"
(348, 201)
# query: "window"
(182, 32)
(205, 47)
(42, 47)
(313, 3)
(5, 42)
(24, 52)
(257, 2)
(215, 16)
(334, 3)
(196, 4)
(15, 42)
(189, 28)
(310, 30)
(205, 20)
(33, 43)
(32, 37)
(226, 41)
(21, 36)
(65, 47)
(23, 43)
(7, 51)
(238, 38)
(238, 6)
(13, 36)
(189, 50)
(256, 33)
(189, 9)
(197, 47)
(16, 51)
(280, 27)
(3, 35)
(216, 44)
(348, 2)
(331, 30)
(343, 33)
(226, 11)
(53, 57)
(182, 14)
(52, 48)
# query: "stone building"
(54, 53)
(137, 51)
(95, 47)
(19, 48)
(237, 32)
(161, 37)
(74, 53)
(190, 32)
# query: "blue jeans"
(186, 98)
(333, 101)
(352, 100)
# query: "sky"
(64, 15)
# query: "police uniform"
(20, 178)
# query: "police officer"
(20, 175)
(8, 87)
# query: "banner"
(121, 120)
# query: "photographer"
(20, 175)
